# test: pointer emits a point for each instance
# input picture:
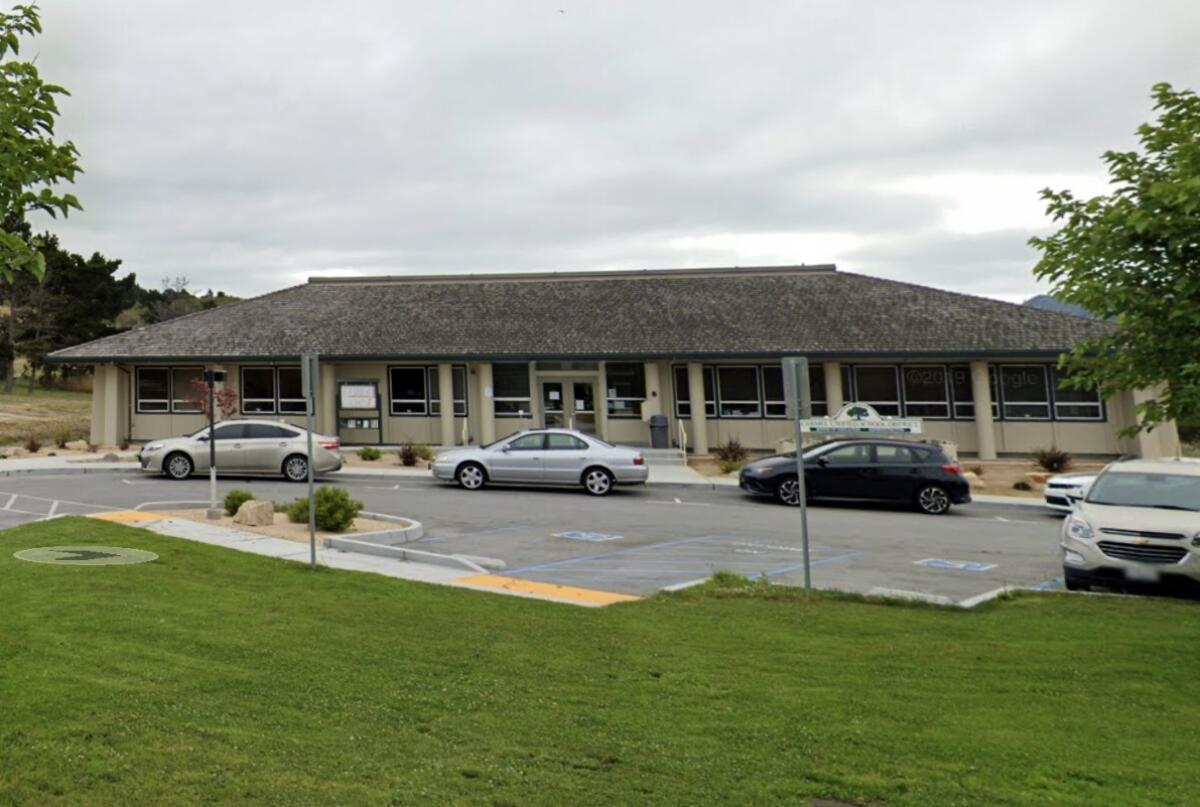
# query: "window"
(925, 392)
(738, 393)
(153, 389)
(878, 386)
(564, 442)
(774, 400)
(258, 389)
(407, 393)
(230, 431)
(626, 383)
(964, 393)
(185, 381)
(159, 390)
(683, 406)
(857, 454)
(816, 388)
(291, 391)
(263, 431)
(1075, 404)
(527, 442)
(510, 384)
(459, 374)
(893, 455)
(1025, 392)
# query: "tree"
(225, 399)
(1133, 256)
(32, 164)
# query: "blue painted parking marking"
(583, 535)
(955, 565)
(1048, 585)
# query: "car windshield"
(1138, 489)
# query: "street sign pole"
(799, 406)
(308, 380)
(211, 379)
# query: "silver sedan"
(244, 447)
(544, 457)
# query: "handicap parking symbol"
(583, 535)
(956, 565)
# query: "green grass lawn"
(212, 675)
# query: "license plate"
(1138, 574)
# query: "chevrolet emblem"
(1141, 541)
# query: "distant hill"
(1048, 303)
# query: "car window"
(527, 442)
(564, 442)
(262, 431)
(893, 455)
(231, 431)
(856, 454)
(1135, 489)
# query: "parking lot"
(641, 540)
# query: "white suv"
(1139, 522)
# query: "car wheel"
(471, 476)
(933, 499)
(178, 466)
(597, 481)
(788, 492)
(295, 469)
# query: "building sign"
(860, 418)
(358, 396)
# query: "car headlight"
(1079, 529)
(154, 447)
(440, 458)
(766, 470)
(1196, 539)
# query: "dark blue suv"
(897, 471)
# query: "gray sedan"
(544, 457)
(244, 447)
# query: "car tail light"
(639, 460)
(952, 468)
(330, 445)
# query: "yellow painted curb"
(126, 516)
(571, 594)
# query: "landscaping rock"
(77, 445)
(110, 458)
(255, 513)
(18, 452)
(973, 479)
(1037, 477)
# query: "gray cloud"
(246, 145)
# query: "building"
(452, 359)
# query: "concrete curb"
(466, 562)
(108, 469)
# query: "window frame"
(710, 406)
(421, 370)
(1101, 413)
(275, 400)
(898, 403)
(636, 412)
(756, 401)
(172, 400)
(781, 403)
(526, 411)
(1005, 403)
(433, 390)
(946, 401)
(280, 400)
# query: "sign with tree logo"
(860, 418)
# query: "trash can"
(658, 432)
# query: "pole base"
(214, 514)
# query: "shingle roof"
(673, 313)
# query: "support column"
(446, 397)
(327, 399)
(1163, 441)
(699, 427)
(112, 405)
(835, 397)
(981, 394)
(486, 406)
(601, 401)
(535, 397)
(654, 405)
(99, 382)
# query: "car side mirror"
(822, 461)
(202, 438)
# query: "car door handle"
(283, 445)
(237, 445)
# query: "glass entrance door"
(583, 406)
(553, 404)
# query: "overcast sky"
(248, 145)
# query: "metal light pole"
(210, 379)
(799, 402)
(308, 373)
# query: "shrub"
(32, 445)
(123, 445)
(732, 450)
(235, 499)
(408, 454)
(62, 437)
(282, 507)
(369, 453)
(336, 511)
(729, 466)
(1052, 459)
(424, 452)
(977, 470)
(1021, 484)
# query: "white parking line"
(56, 502)
(11, 499)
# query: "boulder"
(1037, 477)
(973, 480)
(77, 445)
(110, 457)
(255, 513)
(18, 452)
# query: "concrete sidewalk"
(84, 463)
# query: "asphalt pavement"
(641, 540)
